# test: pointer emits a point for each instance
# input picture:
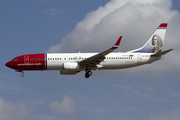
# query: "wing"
(93, 61)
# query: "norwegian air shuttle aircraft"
(72, 63)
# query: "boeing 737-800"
(72, 63)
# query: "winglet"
(118, 42)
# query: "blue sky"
(150, 92)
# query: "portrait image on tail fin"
(156, 44)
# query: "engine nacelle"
(70, 66)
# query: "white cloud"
(44, 1)
(13, 111)
(114, 19)
(135, 20)
(54, 12)
(65, 107)
(167, 115)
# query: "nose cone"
(8, 64)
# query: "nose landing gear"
(88, 73)
(22, 75)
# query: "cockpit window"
(15, 59)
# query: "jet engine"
(70, 66)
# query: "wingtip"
(118, 42)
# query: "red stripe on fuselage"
(28, 62)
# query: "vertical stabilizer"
(155, 42)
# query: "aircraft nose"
(8, 64)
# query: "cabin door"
(139, 58)
(26, 59)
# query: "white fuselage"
(119, 60)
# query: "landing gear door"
(26, 59)
(139, 58)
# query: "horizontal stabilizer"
(162, 53)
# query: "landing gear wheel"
(88, 74)
(22, 75)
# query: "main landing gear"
(88, 73)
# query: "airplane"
(72, 63)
